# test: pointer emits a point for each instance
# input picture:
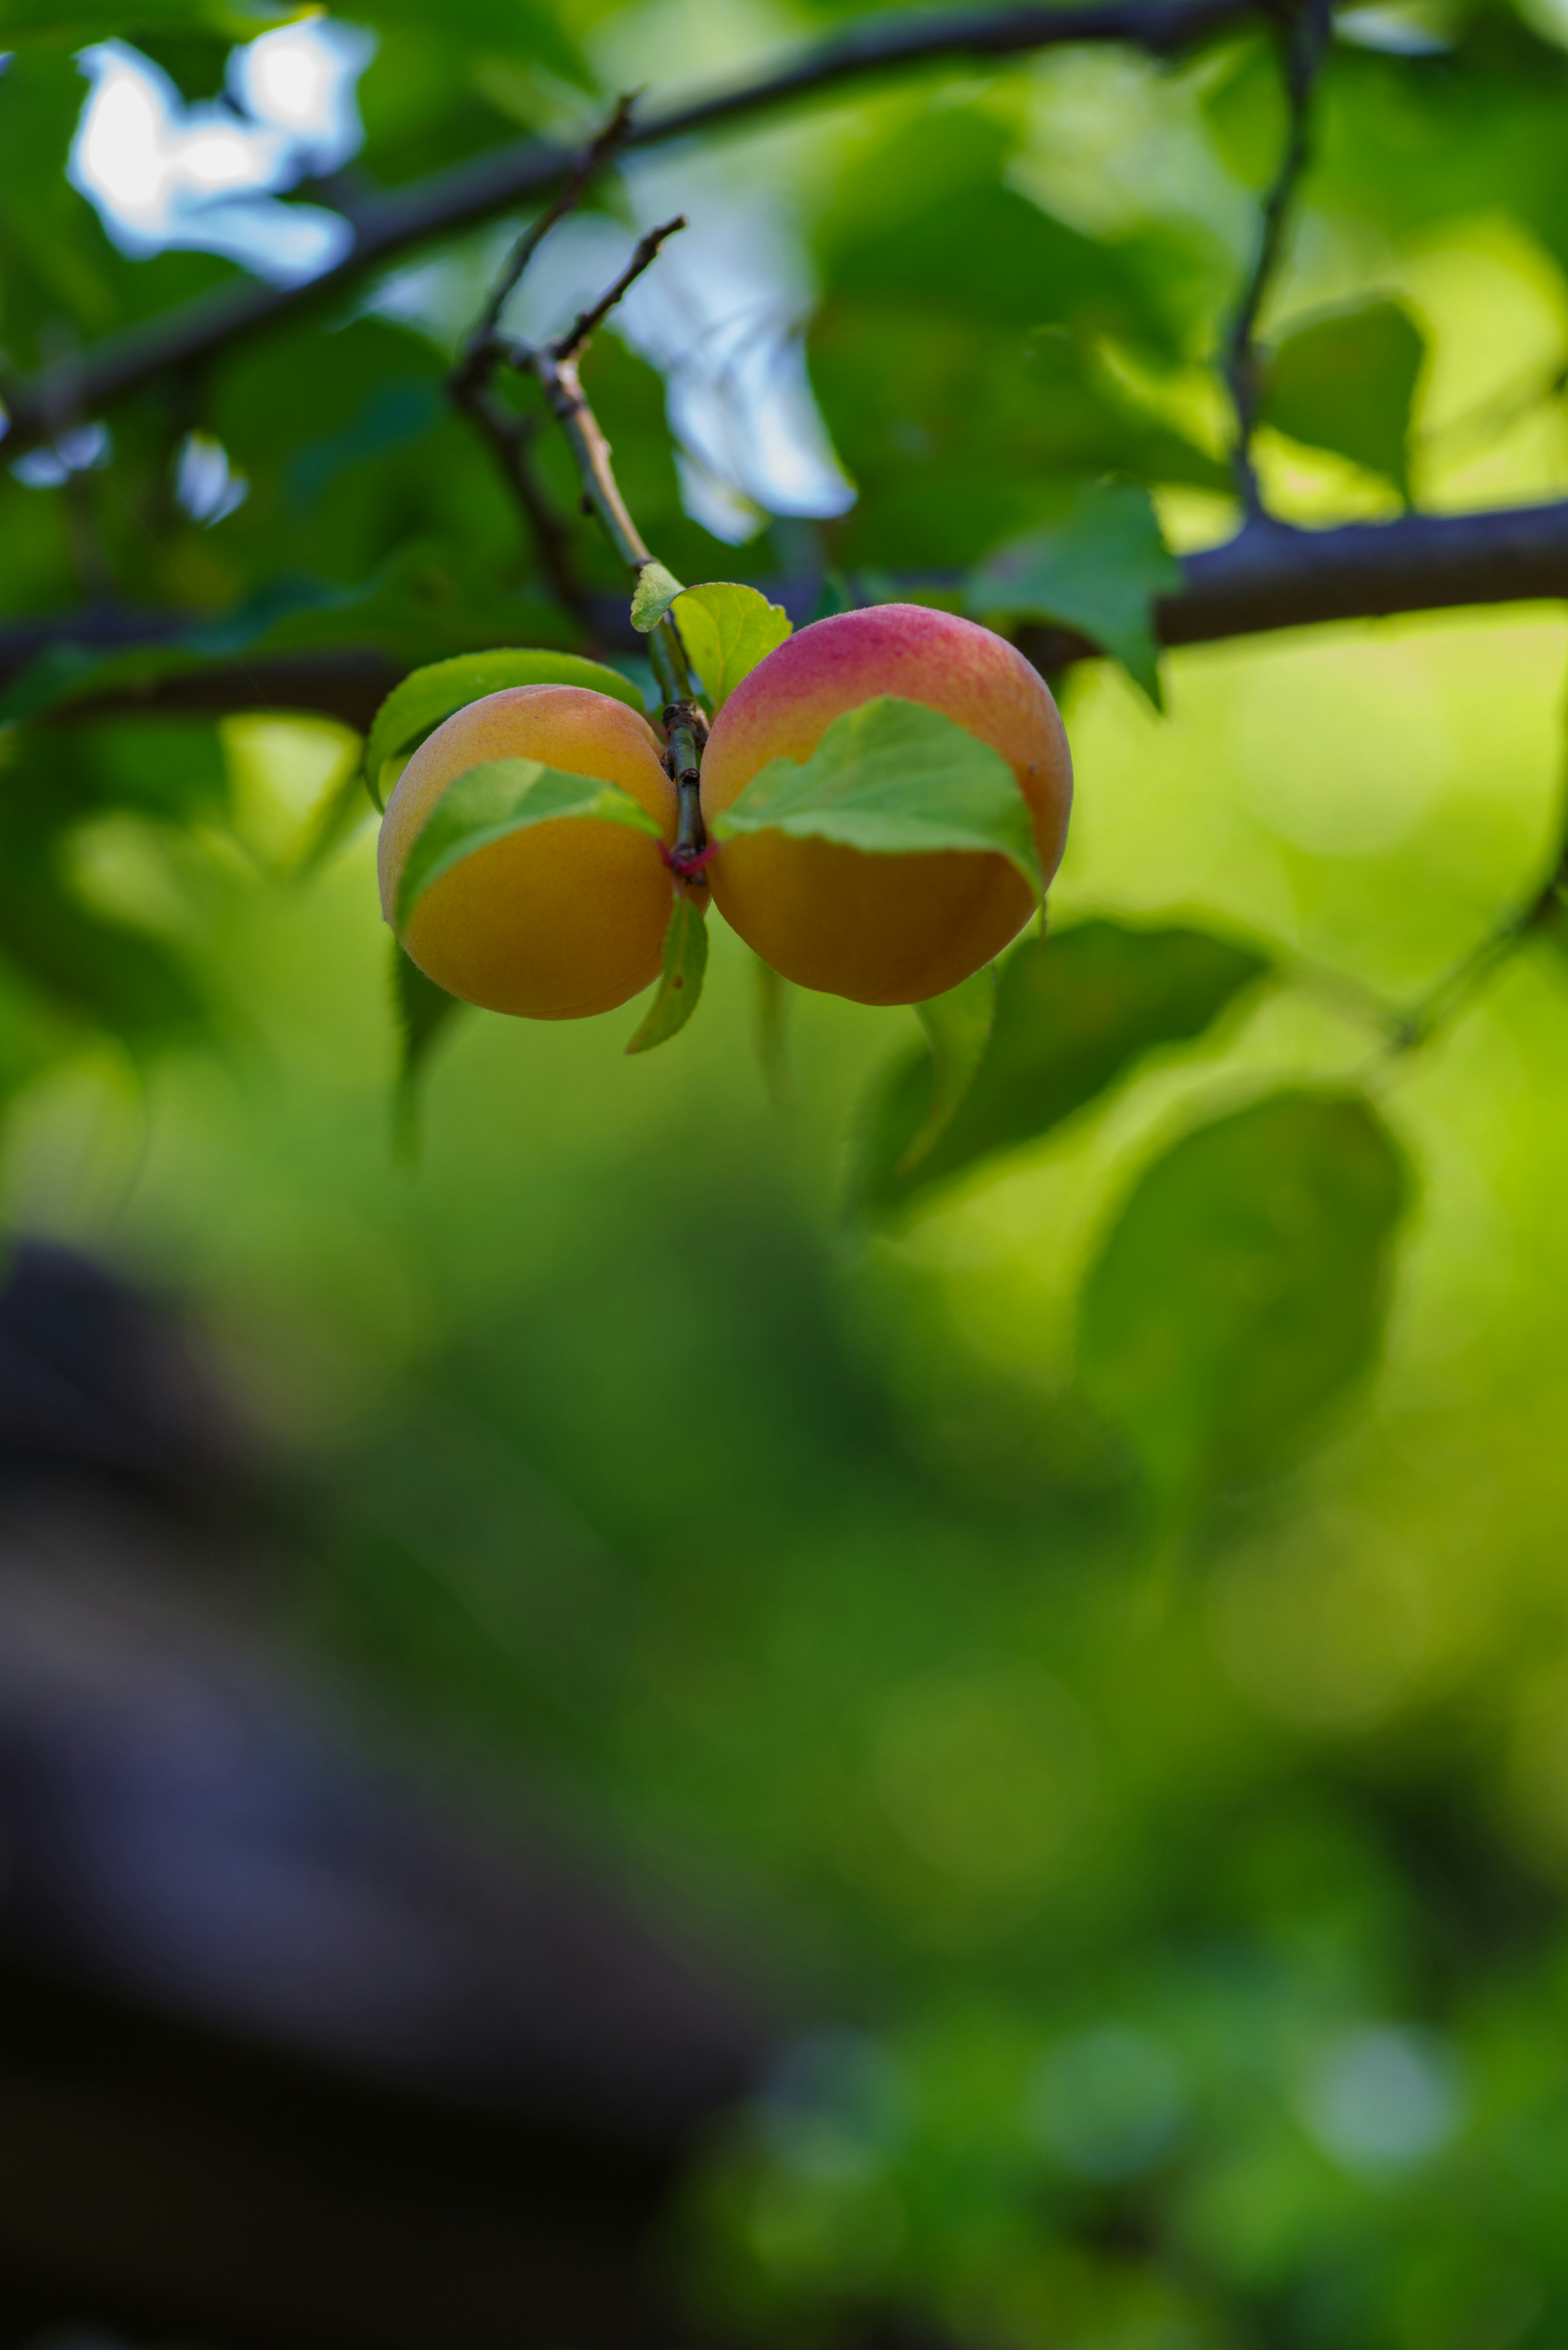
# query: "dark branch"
(519, 174)
(1304, 40)
(1270, 576)
(509, 436)
(1267, 578)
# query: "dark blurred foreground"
(296, 2046)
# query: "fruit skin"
(883, 929)
(565, 918)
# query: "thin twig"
(555, 368)
(470, 388)
(568, 404)
(600, 150)
(510, 437)
(1441, 1004)
(587, 322)
(1306, 40)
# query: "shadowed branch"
(1305, 41)
(1267, 576)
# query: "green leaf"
(1075, 1013)
(894, 778)
(505, 796)
(1347, 382)
(680, 983)
(959, 1025)
(1098, 568)
(1242, 1289)
(423, 1012)
(727, 629)
(924, 220)
(655, 592)
(420, 705)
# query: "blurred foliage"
(1098, 565)
(1079, 1589)
(1347, 381)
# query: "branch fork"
(555, 368)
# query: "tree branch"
(471, 388)
(554, 366)
(1267, 576)
(1305, 41)
(574, 188)
(509, 436)
(392, 224)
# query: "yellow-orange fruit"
(883, 929)
(560, 920)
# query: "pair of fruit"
(568, 917)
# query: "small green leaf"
(897, 779)
(416, 707)
(656, 590)
(1347, 382)
(1242, 1289)
(423, 1012)
(727, 629)
(505, 796)
(1098, 567)
(959, 1025)
(679, 987)
(1075, 1013)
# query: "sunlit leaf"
(1098, 568)
(423, 1011)
(959, 1025)
(421, 702)
(895, 778)
(680, 982)
(1075, 1013)
(489, 802)
(655, 592)
(727, 629)
(1347, 382)
(1242, 1289)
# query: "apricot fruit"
(883, 929)
(564, 917)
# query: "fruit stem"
(687, 731)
